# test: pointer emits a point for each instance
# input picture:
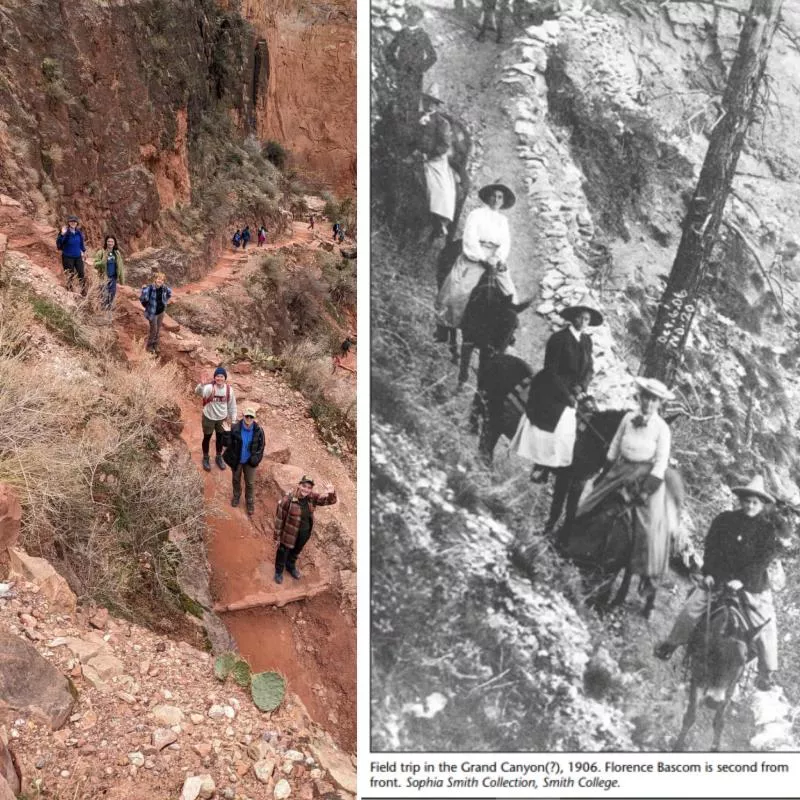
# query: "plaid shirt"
(288, 512)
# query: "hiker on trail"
(546, 432)
(637, 465)
(740, 546)
(243, 454)
(412, 55)
(155, 297)
(110, 268)
(237, 238)
(294, 520)
(245, 236)
(70, 242)
(340, 237)
(485, 246)
(219, 404)
(336, 227)
(262, 235)
(311, 222)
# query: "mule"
(485, 322)
(719, 649)
(504, 382)
(601, 546)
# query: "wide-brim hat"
(434, 93)
(654, 387)
(755, 489)
(249, 411)
(509, 198)
(306, 479)
(570, 312)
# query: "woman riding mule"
(546, 432)
(740, 546)
(485, 246)
(636, 468)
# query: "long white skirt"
(441, 183)
(548, 448)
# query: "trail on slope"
(304, 629)
(468, 74)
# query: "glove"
(650, 484)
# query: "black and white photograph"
(585, 376)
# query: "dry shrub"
(99, 498)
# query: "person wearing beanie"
(294, 520)
(219, 404)
(243, 454)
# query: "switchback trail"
(304, 629)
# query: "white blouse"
(485, 225)
(649, 443)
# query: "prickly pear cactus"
(241, 673)
(268, 690)
(223, 665)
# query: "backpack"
(144, 297)
(213, 396)
(237, 237)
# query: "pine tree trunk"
(700, 225)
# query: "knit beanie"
(221, 371)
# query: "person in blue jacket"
(70, 243)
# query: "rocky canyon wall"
(126, 112)
(304, 85)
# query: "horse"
(718, 651)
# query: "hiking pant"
(209, 427)
(74, 265)
(155, 331)
(286, 556)
(249, 482)
(760, 610)
(109, 293)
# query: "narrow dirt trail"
(468, 73)
(311, 641)
(304, 629)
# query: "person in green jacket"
(109, 265)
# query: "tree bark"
(701, 224)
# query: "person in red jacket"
(294, 520)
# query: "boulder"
(277, 447)
(41, 572)
(30, 684)
(285, 476)
(9, 770)
(339, 765)
(10, 516)
(6, 793)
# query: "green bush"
(275, 153)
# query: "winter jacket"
(101, 265)
(233, 452)
(71, 243)
(287, 515)
(148, 299)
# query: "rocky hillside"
(136, 116)
(598, 116)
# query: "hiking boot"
(294, 572)
(765, 681)
(235, 500)
(664, 650)
(206, 464)
(250, 510)
(219, 462)
(278, 577)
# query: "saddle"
(734, 603)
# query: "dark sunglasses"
(249, 416)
